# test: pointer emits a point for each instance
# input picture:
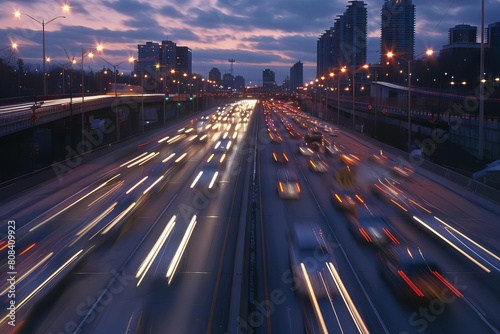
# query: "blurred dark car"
(371, 226)
(413, 276)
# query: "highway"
(145, 239)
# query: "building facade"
(397, 29)
(296, 76)
(268, 80)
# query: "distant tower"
(231, 61)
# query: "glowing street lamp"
(43, 23)
(12, 46)
(408, 60)
(364, 67)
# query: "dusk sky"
(259, 34)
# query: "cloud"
(257, 33)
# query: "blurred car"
(413, 276)
(208, 177)
(349, 159)
(308, 254)
(398, 168)
(222, 145)
(371, 226)
(305, 149)
(275, 136)
(288, 184)
(344, 192)
(318, 164)
(280, 157)
(332, 149)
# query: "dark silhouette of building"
(215, 75)
(183, 60)
(268, 80)
(239, 83)
(296, 76)
(462, 33)
(397, 29)
(148, 57)
(344, 44)
(325, 49)
(168, 54)
(228, 81)
(494, 35)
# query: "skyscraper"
(397, 29)
(324, 51)
(352, 47)
(344, 44)
(296, 76)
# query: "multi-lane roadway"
(148, 238)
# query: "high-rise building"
(397, 29)
(296, 76)
(494, 35)
(215, 75)
(168, 54)
(324, 51)
(148, 57)
(462, 33)
(352, 47)
(344, 44)
(268, 80)
(183, 60)
(239, 83)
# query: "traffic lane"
(367, 265)
(286, 315)
(95, 271)
(176, 192)
(467, 215)
(162, 204)
(304, 209)
(478, 287)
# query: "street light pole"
(44, 59)
(408, 60)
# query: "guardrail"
(11, 122)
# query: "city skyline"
(258, 35)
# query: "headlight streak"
(193, 137)
(314, 301)
(118, 185)
(69, 206)
(181, 157)
(153, 184)
(453, 245)
(214, 178)
(94, 222)
(196, 179)
(34, 292)
(168, 158)
(173, 139)
(356, 317)
(466, 237)
(148, 261)
(141, 160)
(118, 218)
(20, 279)
(163, 139)
(134, 159)
(149, 157)
(137, 184)
(180, 250)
